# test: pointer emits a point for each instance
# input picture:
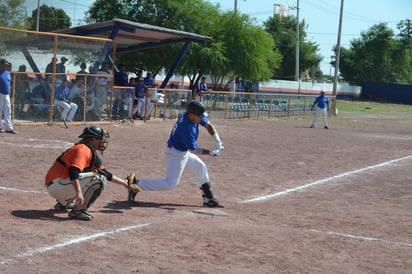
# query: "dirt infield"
(299, 200)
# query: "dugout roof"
(134, 36)
(128, 36)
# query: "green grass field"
(371, 107)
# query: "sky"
(321, 17)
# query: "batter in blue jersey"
(182, 153)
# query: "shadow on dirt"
(48, 214)
(129, 205)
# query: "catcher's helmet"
(95, 132)
(197, 108)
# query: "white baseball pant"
(324, 113)
(177, 162)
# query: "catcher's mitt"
(132, 182)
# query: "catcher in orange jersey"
(77, 177)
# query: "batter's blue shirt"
(322, 101)
(185, 133)
(5, 78)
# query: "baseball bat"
(64, 120)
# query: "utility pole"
(337, 59)
(297, 78)
(38, 15)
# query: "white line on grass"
(74, 241)
(323, 181)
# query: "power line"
(75, 3)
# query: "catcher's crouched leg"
(134, 187)
(92, 189)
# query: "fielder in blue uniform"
(5, 104)
(322, 103)
(182, 153)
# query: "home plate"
(211, 212)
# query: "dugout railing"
(235, 105)
(165, 103)
(33, 90)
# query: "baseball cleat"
(212, 203)
(80, 214)
(131, 196)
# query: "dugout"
(94, 42)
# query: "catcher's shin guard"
(93, 191)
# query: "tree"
(249, 49)
(13, 14)
(376, 56)
(104, 10)
(50, 19)
(238, 47)
(283, 31)
(403, 52)
(174, 14)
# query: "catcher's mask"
(197, 108)
(96, 132)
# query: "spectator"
(201, 89)
(76, 95)
(61, 70)
(5, 105)
(61, 99)
(102, 81)
(139, 74)
(121, 78)
(140, 100)
(49, 69)
(22, 85)
(150, 84)
(128, 97)
(41, 93)
(82, 73)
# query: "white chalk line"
(360, 237)
(74, 241)
(34, 143)
(20, 190)
(323, 181)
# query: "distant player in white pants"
(182, 152)
(322, 103)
